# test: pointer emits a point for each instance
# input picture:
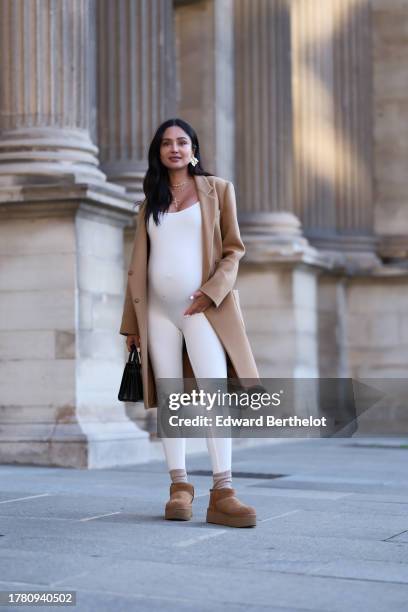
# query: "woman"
(181, 310)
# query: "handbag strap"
(134, 355)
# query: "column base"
(277, 237)
(349, 254)
(41, 155)
(126, 176)
(394, 248)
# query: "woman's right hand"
(132, 340)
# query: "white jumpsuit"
(174, 274)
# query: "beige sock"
(178, 475)
(222, 480)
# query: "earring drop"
(193, 161)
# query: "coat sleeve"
(223, 280)
(129, 325)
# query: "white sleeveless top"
(175, 260)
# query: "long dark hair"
(156, 181)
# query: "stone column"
(332, 93)
(61, 234)
(205, 67)
(136, 83)
(390, 59)
(263, 143)
(45, 102)
(313, 115)
(353, 98)
(263, 106)
(278, 273)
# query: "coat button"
(130, 272)
(136, 300)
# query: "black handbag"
(131, 387)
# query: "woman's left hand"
(201, 302)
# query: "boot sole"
(178, 514)
(231, 521)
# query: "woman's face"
(175, 148)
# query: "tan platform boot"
(224, 508)
(179, 507)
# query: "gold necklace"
(179, 184)
(176, 186)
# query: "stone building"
(303, 104)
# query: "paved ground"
(332, 533)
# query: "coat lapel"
(209, 206)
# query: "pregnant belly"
(174, 283)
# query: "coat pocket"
(235, 295)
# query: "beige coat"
(222, 250)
